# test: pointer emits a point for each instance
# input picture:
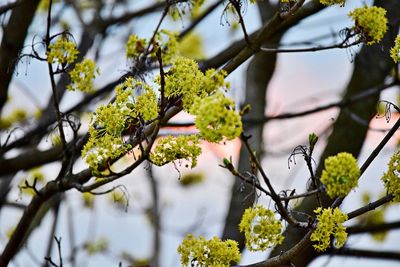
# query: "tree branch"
(362, 253)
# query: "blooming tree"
(125, 118)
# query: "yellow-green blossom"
(134, 101)
(261, 229)
(88, 200)
(44, 4)
(82, 76)
(208, 253)
(95, 247)
(184, 79)
(16, 116)
(103, 147)
(169, 149)
(332, 2)
(191, 46)
(395, 50)
(135, 46)
(119, 199)
(391, 179)
(370, 23)
(128, 106)
(330, 223)
(137, 99)
(216, 118)
(191, 179)
(168, 42)
(62, 51)
(340, 175)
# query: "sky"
(301, 81)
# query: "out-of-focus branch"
(199, 19)
(372, 228)
(370, 206)
(7, 7)
(14, 35)
(128, 16)
(363, 253)
(155, 219)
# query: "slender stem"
(370, 206)
(372, 228)
(305, 194)
(52, 232)
(282, 210)
(155, 219)
(53, 83)
(341, 45)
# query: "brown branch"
(237, 51)
(29, 159)
(128, 16)
(275, 197)
(370, 206)
(284, 258)
(24, 224)
(372, 228)
(13, 39)
(6, 7)
(363, 253)
(341, 45)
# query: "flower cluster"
(88, 200)
(395, 50)
(171, 148)
(101, 148)
(82, 76)
(370, 23)
(134, 46)
(191, 179)
(261, 229)
(330, 223)
(340, 175)
(184, 79)
(166, 40)
(134, 105)
(216, 118)
(96, 247)
(62, 51)
(16, 116)
(110, 121)
(332, 2)
(191, 46)
(391, 179)
(208, 253)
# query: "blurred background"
(119, 227)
